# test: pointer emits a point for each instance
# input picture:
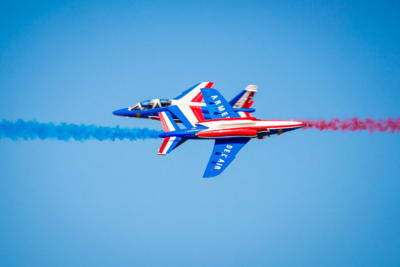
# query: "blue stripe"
(236, 98)
(186, 92)
(169, 117)
(179, 114)
(176, 141)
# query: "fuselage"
(236, 128)
(152, 113)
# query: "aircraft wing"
(187, 106)
(217, 105)
(193, 93)
(223, 154)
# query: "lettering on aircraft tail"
(220, 106)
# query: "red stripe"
(248, 103)
(197, 112)
(259, 128)
(232, 119)
(241, 131)
(238, 119)
(209, 85)
(283, 126)
(158, 118)
(166, 139)
(198, 98)
(228, 132)
(164, 124)
(255, 119)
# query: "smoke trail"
(390, 125)
(65, 131)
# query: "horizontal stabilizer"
(169, 144)
(169, 125)
(167, 121)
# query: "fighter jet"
(224, 124)
(189, 105)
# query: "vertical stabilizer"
(244, 99)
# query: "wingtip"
(252, 88)
(208, 175)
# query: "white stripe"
(163, 119)
(242, 100)
(187, 111)
(193, 93)
(161, 152)
(169, 144)
(169, 123)
(198, 104)
(242, 114)
(246, 96)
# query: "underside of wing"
(223, 154)
(217, 105)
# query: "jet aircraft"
(190, 103)
(225, 124)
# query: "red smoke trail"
(390, 125)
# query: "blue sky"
(305, 198)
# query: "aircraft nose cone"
(120, 112)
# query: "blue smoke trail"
(29, 130)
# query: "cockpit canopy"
(150, 104)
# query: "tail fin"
(169, 125)
(244, 98)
